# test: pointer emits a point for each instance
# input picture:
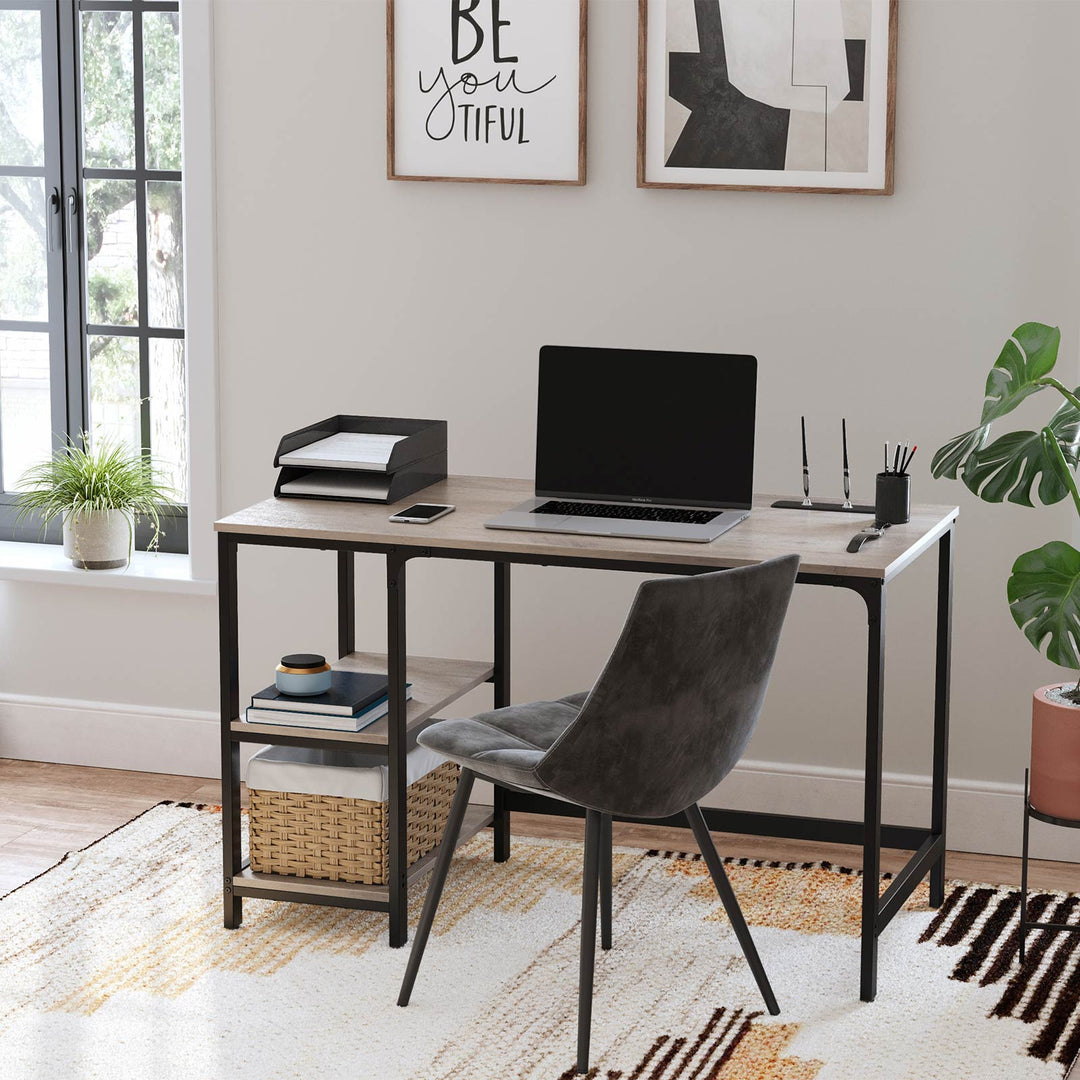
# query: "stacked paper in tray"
(361, 458)
(355, 700)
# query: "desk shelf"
(347, 893)
(436, 683)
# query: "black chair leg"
(605, 883)
(594, 829)
(731, 904)
(438, 879)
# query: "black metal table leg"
(229, 653)
(346, 599)
(501, 822)
(941, 711)
(398, 784)
(1024, 870)
(875, 702)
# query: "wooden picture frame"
(520, 92)
(880, 109)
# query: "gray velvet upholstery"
(670, 714)
(505, 744)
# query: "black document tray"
(416, 461)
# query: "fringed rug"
(114, 964)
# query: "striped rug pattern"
(1045, 991)
(115, 966)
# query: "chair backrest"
(678, 699)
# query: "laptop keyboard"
(627, 513)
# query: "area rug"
(114, 965)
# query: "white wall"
(341, 291)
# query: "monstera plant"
(1044, 587)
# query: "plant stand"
(1066, 823)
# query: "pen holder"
(892, 501)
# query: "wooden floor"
(47, 810)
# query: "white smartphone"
(422, 513)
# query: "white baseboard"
(109, 735)
(984, 816)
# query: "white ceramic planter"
(99, 540)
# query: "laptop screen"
(631, 425)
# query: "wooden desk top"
(819, 537)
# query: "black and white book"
(350, 692)
(323, 721)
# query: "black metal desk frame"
(877, 911)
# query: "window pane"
(112, 254)
(168, 412)
(22, 132)
(23, 270)
(24, 403)
(108, 90)
(165, 252)
(161, 79)
(114, 389)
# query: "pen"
(896, 459)
(847, 473)
(886, 457)
(907, 460)
(805, 469)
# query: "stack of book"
(354, 701)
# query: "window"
(91, 237)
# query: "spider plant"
(79, 483)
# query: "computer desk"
(351, 528)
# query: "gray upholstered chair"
(667, 720)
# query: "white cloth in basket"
(348, 774)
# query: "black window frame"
(64, 177)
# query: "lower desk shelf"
(345, 893)
(436, 683)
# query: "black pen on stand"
(847, 472)
(896, 459)
(805, 469)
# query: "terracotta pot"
(1055, 756)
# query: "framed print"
(486, 90)
(767, 95)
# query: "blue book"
(350, 693)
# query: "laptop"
(637, 443)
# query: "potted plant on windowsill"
(98, 494)
(1044, 588)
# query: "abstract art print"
(775, 95)
(486, 90)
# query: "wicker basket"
(338, 839)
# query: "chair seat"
(505, 745)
